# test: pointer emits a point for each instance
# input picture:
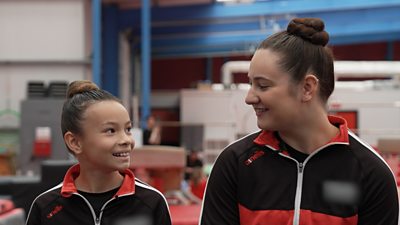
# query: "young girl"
(100, 189)
(304, 166)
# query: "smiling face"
(274, 98)
(106, 141)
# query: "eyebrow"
(257, 78)
(115, 123)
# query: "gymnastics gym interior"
(185, 62)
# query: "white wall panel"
(224, 114)
(43, 40)
(35, 30)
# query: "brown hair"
(80, 95)
(303, 50)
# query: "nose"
(127, 139)
(251, 97)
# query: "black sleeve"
(220, 205)
(380, 201)
(33, 217)
(161, 214)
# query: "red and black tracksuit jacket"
(345, 182)
(134, 203)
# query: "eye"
(128, 130)
(260, 84)
(263, 87)
(109, 130)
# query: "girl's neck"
(98, 182)
(311, 135)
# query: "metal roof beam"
(373, 22)
(219, 11)
(229, 29)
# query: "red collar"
(269, 139)
(69, 188)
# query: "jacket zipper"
(299, 187)
(96, 219)
(299, 190)
(301, 167)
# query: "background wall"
(40, 40)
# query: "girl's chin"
(123, 166)
(263, 125)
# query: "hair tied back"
(310, 29)
(80, 86)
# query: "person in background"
(100, 189)
(193, 162)
(304, 166)
(193, 183)
(152, 133)
(197, 182)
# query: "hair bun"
(80, 86)
(310, 29)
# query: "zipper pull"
(300, 167)
(97, 220)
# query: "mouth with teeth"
(259, 111)
(121, 154)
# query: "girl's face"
(106, 140)
(275, 100)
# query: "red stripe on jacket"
(285, 217)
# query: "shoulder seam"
(146, 186)
(369, 147)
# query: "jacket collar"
(69, 188)
(269, 139)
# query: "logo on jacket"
(54, 211)
(257, 154)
